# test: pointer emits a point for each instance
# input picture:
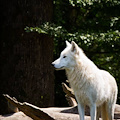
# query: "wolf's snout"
(53, 64)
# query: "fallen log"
(53, 113)
(68, 90)
(36, 113)
(70, 97)
(33, 111)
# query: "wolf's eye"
(64, 56)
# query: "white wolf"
(92, 87)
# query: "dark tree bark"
(26, 71)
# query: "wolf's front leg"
(81, 111)
(93, 112)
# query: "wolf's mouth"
(61, 68)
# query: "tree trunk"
(26, 71)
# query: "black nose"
(53, 64)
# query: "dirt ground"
(22, 116)
(15, 116)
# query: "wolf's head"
(67, 57)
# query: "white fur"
(92, 87)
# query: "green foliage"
(93, 25)
(99, 41)
(91, 2)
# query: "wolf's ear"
(67, 44)
(74, 48)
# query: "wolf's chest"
(83, 89)
(77, 81)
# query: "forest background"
(93, 25)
